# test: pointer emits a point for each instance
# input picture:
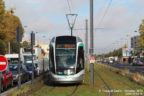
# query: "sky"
(111, 31)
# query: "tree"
(125, 46)
(2, 21)
(14, 46)
(26, 44)
(43, 52)
(141, 39)
(2, 47)
(8, 26)
(12, 23)
(8, 23)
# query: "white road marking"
(2, 63)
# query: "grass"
(136, 77)
(110, 75)
(115, 81)
(24, 89)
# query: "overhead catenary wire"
(107, 8)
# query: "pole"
(91, 41)
(127, 43)
(86, 43)
(71, 31)
(43, 65)
(32, 36)
(1, 81)
(19, 64)
(91, 27)
(32, 67)
(9, 47)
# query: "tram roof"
(78, 39)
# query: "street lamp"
(71, 22)
(37, 38)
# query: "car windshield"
(12, 60)
(28, 58)
(139, 60)
(13, 67)
(142, 60)
(65, 57)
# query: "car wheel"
(27, 77)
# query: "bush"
(122, 72)
(2, 47)
(137, 77)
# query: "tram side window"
(51, 60)
(80, 63)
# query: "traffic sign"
(92, 59)
(3, 63)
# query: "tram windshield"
(65, 57)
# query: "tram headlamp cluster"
(70, 72)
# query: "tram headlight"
(70, 72)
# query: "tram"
(66, 59)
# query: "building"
(134, 43)
(45, 47)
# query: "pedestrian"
(129, 60)
(124, 60)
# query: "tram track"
(128, 85)
(131, 87)
(74, 91)
(51, 89)
(106, 85)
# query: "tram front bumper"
(76, 78)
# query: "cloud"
(48, 18)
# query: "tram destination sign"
(65, 45)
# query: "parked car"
(138, 61)
(2, 77)
(110, 61)
(7, 79)
(29, 69)
(23, 72)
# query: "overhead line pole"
(86, 44)
(91, 41)
(91, 27)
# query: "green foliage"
(26, 44)
(2, 21)
(14, 46)
(117, 52)
(43, 52)
(125, 46)
(12, 22)
(2, 47)
(8, 26)
(141, 39)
